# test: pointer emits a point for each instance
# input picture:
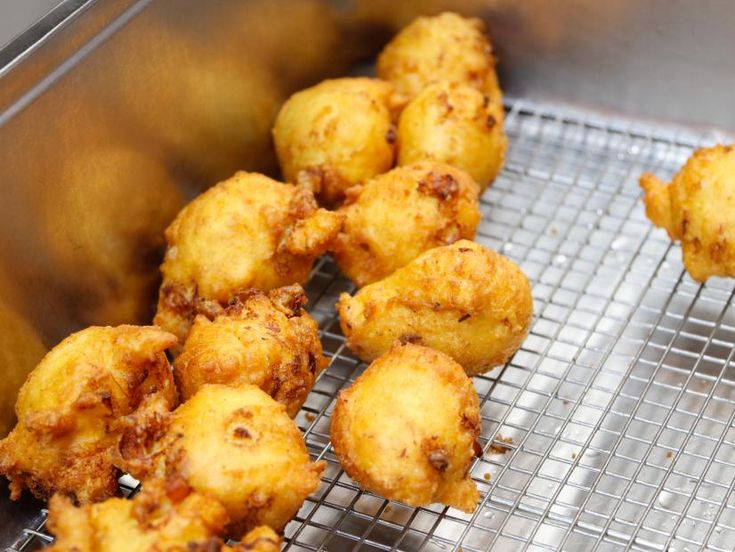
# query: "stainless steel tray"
(617, 411)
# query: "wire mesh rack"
(612, 427)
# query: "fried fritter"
(246, 232)
(698, 208)
(454, 123)
(446, 47)
(234, 443)
(398, 215)
(260, 539)
(164, 516)
(336, 134)
(67, 409)
(460, 299)
(407, 429)
(267, 340)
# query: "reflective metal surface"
(116, 116)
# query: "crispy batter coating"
(460, 299)
(265, 339)
(165, 515)
(260, 539)
(234, 443)
(398, 215)
(454, 123)
(698, 208)
(336, 134)
(407, 429)
(446, 47)
(66, 437)
(246, 232)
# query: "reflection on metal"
(123, 111)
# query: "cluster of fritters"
(385, 174)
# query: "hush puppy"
(407, 429)
(164, 516)
(445, 47)
(698, 208)
(235, 444)
(336, 134)
(66, 436)
(246, 232)
(460, 299)
(398, 215)
(265, 339)
(454, 123)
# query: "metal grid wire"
(612, 427)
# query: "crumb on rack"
(574, 456)
(309, 417)
(500, 444)
(487, 476)
(669, 454)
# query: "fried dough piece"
(246, 232)
(698, 208)
(336, 134)
(265, 339)
(234, 443)
(163, 516)
(407, 429)
(454, 123)
(460, 299)
(446, 47)
(67, 409)
(398, 215)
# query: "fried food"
(260, 539)
(246, 232)
(265, 339)
(68, 407)
(336, 134)
(460, 299)
(234, 443)
(446, 47)
(407, 429)
(698, 208)
(398, 215)
(165, 515)
(454, 123)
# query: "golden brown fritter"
(336, 134)
(407, 429)
(265, 339)
(164, 516)
(234, 443)
(446, 47)
(456, 124)
(460, 299)
(260, 539)
(66, 438)
(698, 208)
(398, 215)
(246, 232)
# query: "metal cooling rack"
(612, 427)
